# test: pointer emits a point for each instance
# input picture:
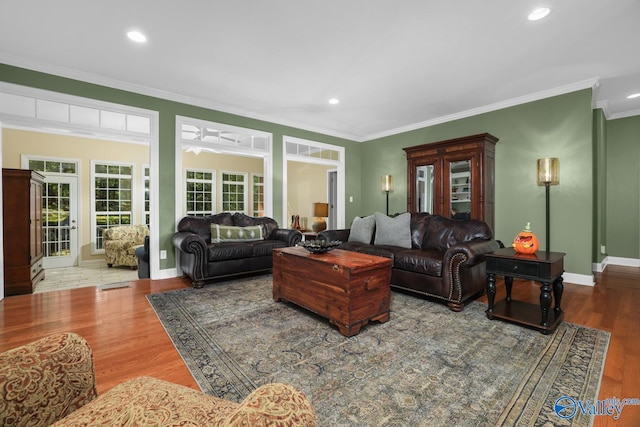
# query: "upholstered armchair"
(120, 244)
(52, 382)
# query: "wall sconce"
(548, 174)
(320, 211)
(387, 186)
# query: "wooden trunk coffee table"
(348, 288)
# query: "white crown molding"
(585, 84)
(198, 102)
(624, 114)
(157, 93)
(604, 106)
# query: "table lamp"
(320, 211)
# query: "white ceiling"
(394, 65)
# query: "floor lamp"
(387, 186)
(548, 174)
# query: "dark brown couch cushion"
(202, 225)
(444, 232)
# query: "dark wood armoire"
(453, 178)
(22, 230)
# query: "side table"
(543, 267)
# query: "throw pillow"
(393, 231)
(362, 229)
(231, 233)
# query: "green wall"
(167, 112)
(560, 126)
(600, 184)
(623, 188)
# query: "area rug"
(426, 366)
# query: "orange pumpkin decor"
(526, 242)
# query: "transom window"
(53, 166)
(112, 202)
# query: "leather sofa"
(202, 259)
(52, 381)
(445, 259)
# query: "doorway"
(60, 221)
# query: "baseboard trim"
(168, 273)
(579, 279)
(627, 262)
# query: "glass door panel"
(424, 189)
(59, 222)
(460, 187)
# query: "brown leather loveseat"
(444, 258)
(225, 244)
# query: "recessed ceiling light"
(539, 13)
(634, 95)
(137, 36)
(334, 101)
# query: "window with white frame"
(234, 192)
(258, 194)
(147, 191)
(112, 203)
(200, 192)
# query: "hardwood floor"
(128, 340)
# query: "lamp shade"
(549, 171)
(320, 209)
(387, 183)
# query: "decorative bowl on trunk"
(320, 246)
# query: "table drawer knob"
(515, 267)
(336, 267)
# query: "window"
(199, 192)
(147, 190)
(234, 192)
(258, 194)
(53, 166)
(112, 190)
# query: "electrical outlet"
(163, 254)
(350, 199)
(603, 249)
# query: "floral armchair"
(120, 244)
(52, 382)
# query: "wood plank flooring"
(128, 340)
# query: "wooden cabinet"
(453, 178)
(22, 230)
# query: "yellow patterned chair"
(121, 242)
(52, 382)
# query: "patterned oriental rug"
(427, 366)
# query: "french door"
(60, 221)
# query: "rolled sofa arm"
(189, 242)
(289, 236)
(474, 251)
(330, 235)
(274, 404)
(46, 380)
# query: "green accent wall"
(167, 111)
(600, 184)
(559, 126)
(623, 188)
